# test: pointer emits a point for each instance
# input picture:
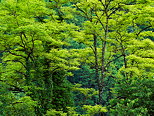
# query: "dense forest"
(76, 58)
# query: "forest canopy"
(76, 57)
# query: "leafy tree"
(43, 42)
(33, 60)
(134, 84)
(109, 28)
(134, 92)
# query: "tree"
(42, 42)
(33, 60)
(133, 92)
(134, 81)
(107, 28)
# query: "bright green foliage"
(72, 112)
(99, 45)
(84, 96)
(88, 92)
(133, 93)
(33, 60)
(92, 110)
(142, 58)
(134, 90)
(116, 24)
(124, 22)
(55, 113)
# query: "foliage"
(134, 90)
(63, 57)
(92, 110)
(55, 113)
(15, 104)
(133, 97)
(33, 61)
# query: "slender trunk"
(103, 71)
(123, 54)
(104, 43)
(97, 68)
(28, 67)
